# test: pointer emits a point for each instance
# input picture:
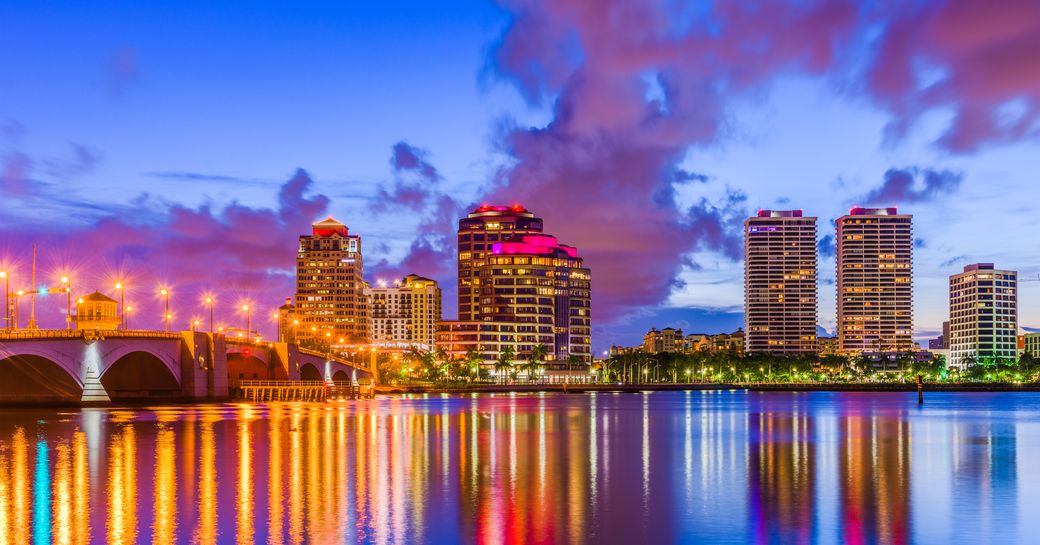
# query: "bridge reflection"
(671, 467)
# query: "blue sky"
(127, 110)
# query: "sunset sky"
(190, 144)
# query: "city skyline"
(853, 125)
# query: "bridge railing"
(19, 334)
(280, 383)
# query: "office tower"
(875, 281)
(330, 299)
(983, 316)
(404, 314)
(522, 286)
(780, 311)
(478, 232)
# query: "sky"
(187, 145)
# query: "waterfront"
(664, 467)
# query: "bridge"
(85, 366)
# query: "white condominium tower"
(983, 316)
(780, 308)
(875, 281)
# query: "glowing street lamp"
(166, 297)
(122, 303)
(7, 299)
(126, 317)
(249, 316)
(209, 302)
(68, 301)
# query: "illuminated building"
(780, 282)
(1031, 344)
(330, 298)
(512, 274)
(875, 281)
(287, 322)
(97, 311)
(668, 339)
(983, 315)
(404, 314)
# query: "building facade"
(330, 300)
(513, 274)
(780, 311)
(1031, 344)
(668, 339)
(875, 281)
(97, 311)
(404, 314)
(983, 315)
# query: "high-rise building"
(478, 232)
(780, 311)
(875, 281)
(525, 282)
(983, 315)
(330, 298)
(404, 314)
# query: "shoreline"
(757, 387)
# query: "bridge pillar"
(203, 366)
(218, 371)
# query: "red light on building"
(247, 352)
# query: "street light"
(122, 303)
(126, 317)
(166, 296)
(249, 316)
(68, 301)
(209, 301)
(7, 299)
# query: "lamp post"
(209, 301)
(249, 316)
(7, 299)
(166, 295)
(122, 304)
(126, 317)
(68, 301)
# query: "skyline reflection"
(720, 467)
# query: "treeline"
(735, 366)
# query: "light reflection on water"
(677, 467)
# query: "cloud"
(237, 252)
(635, 85)
(415, 193)
(192, 177)
(827, 247)
(913, 185)
(977, 58)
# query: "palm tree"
(505, 360)
(473, 360)
(534, 361)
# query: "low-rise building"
(668, 339)
(97, 311)
(1031, 344)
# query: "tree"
(473, 361)
(534, 361)
(505, 360)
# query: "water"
(666, 467)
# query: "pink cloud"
(237, 252)
(980, 59)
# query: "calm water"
(667, 467)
